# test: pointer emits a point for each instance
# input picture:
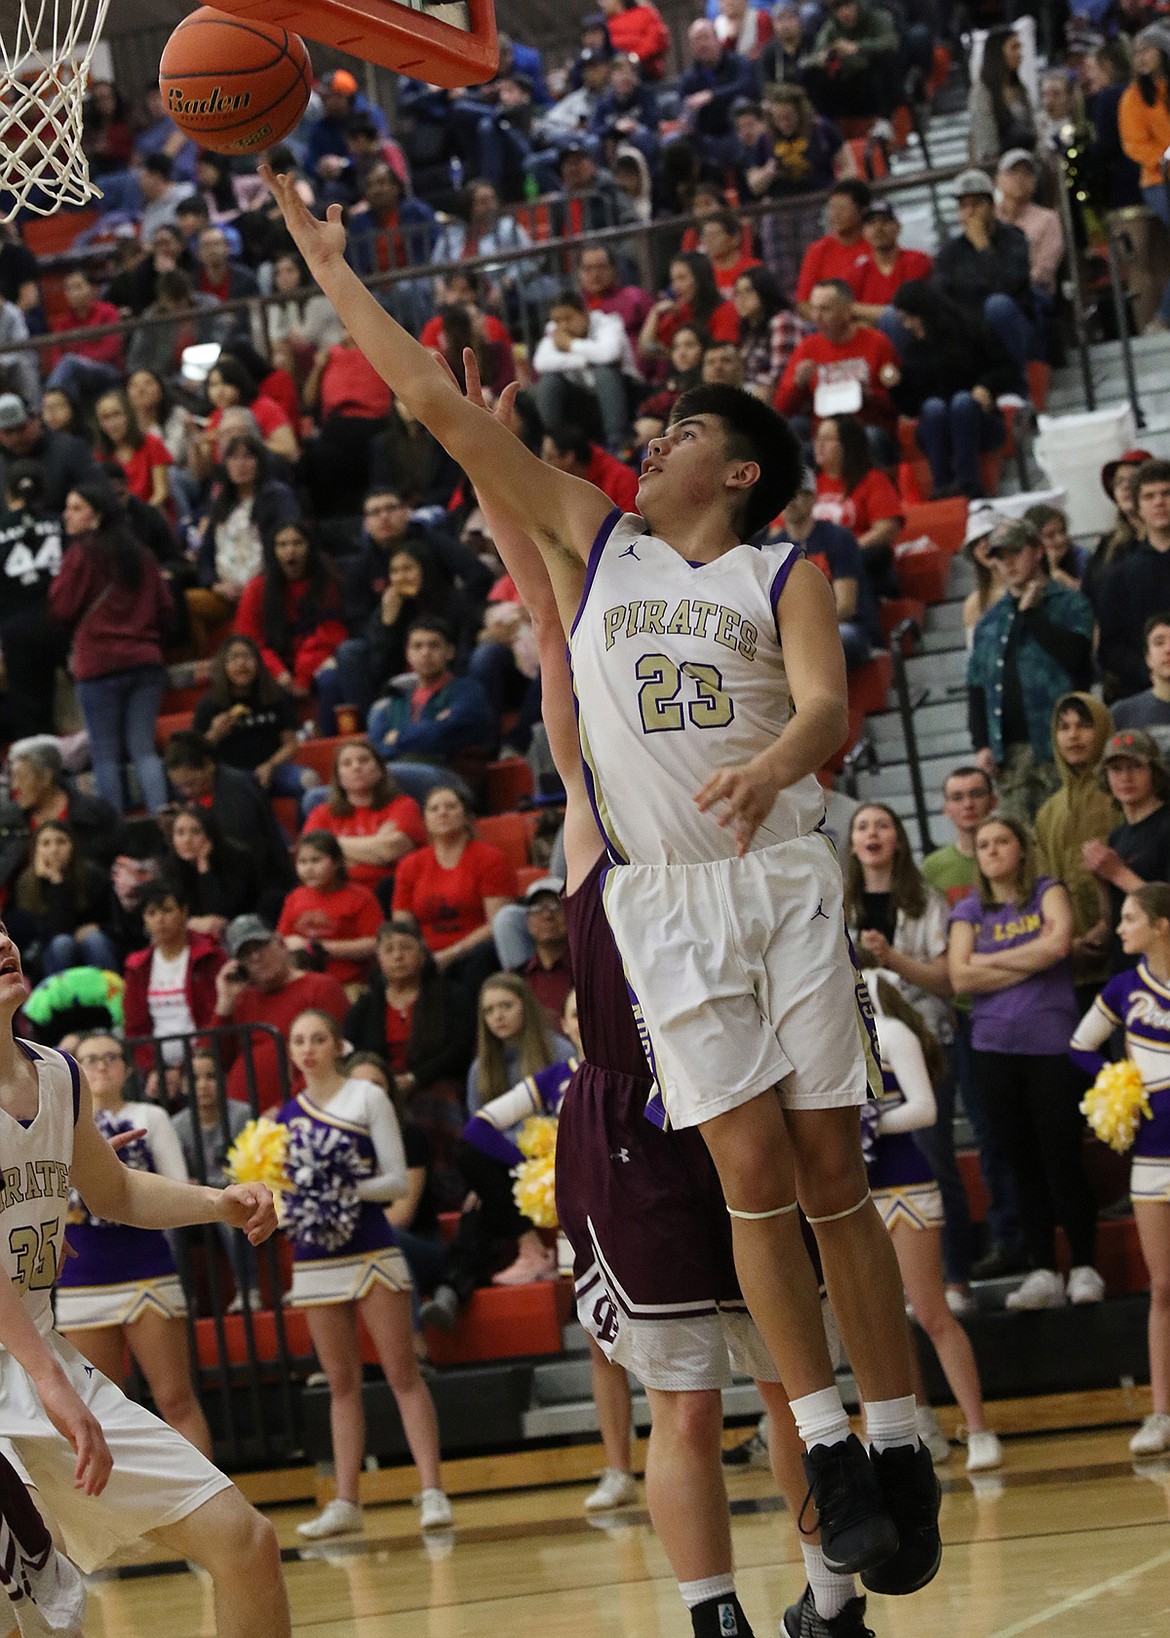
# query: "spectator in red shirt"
(292, 610)
(597, 279)
(352, 403)
(170, 986)
(453, 888)
(260, 985)
(328, 912)
(231, 386)
(143, 456)
(840, 352)
(85, 367)
(694, 299)
(569, 449)
(721, 242)
(842, 253)
(856, 495)
(219, 275)
(889, 266)
(639, 30)
(363, 807)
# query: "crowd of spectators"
(246, 499)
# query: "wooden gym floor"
(1070, 1540)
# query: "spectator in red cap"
(1119, 541)
(340, 98)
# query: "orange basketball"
(233, 84)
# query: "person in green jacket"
(852, 70)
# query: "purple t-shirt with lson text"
(1036, 1016)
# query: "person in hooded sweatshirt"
(1080, 811)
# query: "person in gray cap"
(1143, 123)
(984, 268)
(65, 461)
(1016, 182)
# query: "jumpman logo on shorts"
(819, 911)
(630, 552)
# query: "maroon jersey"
(610, 1038)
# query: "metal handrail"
(910, 630)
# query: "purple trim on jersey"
(75, 1084)
(593, 562)
(611, 850)
(780, 578)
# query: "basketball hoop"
(46, 47)
(444, 42)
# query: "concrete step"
(939, 715)
(579, 1415)
(893, 779)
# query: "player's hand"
(249, 1206)
(75, 1422)
(320, 243)
(744, 795)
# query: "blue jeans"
(953, 435)
(67, 950)
(1007, 319)
(120, 711)
(82, 378)
(427, 1261)
(346, 682)
(1158, 201)
(1003, 1217)
(419, 779)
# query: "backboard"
(444, 42)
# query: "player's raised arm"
(558, 511)
(148, 1200)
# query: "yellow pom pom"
(534, 1190)
(538, 1137)
(257, 1155)
(1116, 1104)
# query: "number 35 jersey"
(34, 1183)
(677, 671)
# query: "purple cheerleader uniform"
(900, 1180)
(119, 1273)
(1141, 1004)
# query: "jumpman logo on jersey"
(819, 911)
(621, 1154)
(89, 1370)
(630, 552)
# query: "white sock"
(890, 1422)
(831, 1592)
(714, 1586)
(820, 1417)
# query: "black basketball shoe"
(857, 1530)
(913, 1496)
(802, 1621)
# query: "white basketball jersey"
(34, 1183)
(677, 671)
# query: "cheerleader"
(121, 1287)
(368, 1270)
(908, 1198)
(1139, 1001)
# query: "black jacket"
(968, 276)
(1128, 593)
(441, 1044)
(91, 819)
(245, 816)
(942, 366)
(65, 460)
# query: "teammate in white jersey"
(726, 900)
(128, 1475)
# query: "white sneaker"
(1153, 1436)
(1085, 1285)
(336, 1518)
(1043, 1288)
(615, 1489)
(53, 1597)
(984, 1452)
(436, 1510)
(961, 1303)
(931, 1433)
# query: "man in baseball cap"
(1138, 851)
(65, 461)
(1016, 180)
(889, 266)
(984, 268)
(547, 971)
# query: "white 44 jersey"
(677, 671)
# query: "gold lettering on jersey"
(41, 1180)
(11, 1194)
(709, 621)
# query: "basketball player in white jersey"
(106, 1471)
(710, 684)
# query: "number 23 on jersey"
(702, 702)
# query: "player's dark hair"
(755, 432)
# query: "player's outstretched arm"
(561, 513)
(147, 1200)
(62, 1403)
(806, 617)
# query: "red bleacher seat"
(50, 235)
(505, 1322)
(944, 521)
(922, 571)
(318, 755)
(528, 874)
(180, 699)
(164, 727)
(509, 782)
(869, 684)
(511, 833)
(288, 814)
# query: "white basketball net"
(45, 51)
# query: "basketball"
(233, 84)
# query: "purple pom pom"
(323, 1166)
